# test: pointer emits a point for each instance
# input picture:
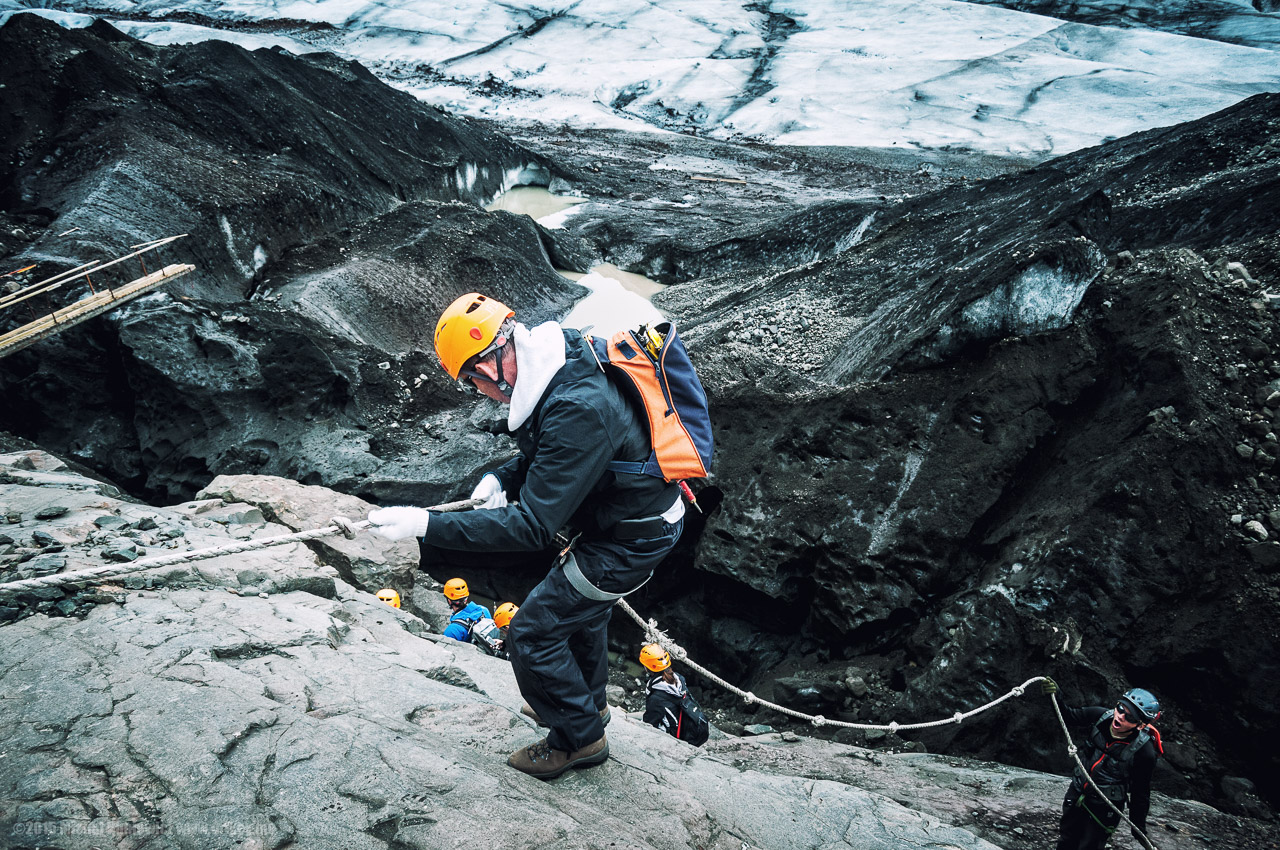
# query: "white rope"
(338, 525)
(655, 635)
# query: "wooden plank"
(80, 270)
(87, 308)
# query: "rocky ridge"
(182, 709)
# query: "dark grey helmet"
(1146, 708)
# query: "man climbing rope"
(570, 422)
(668, 703)
(1120, 757)
(465, 613)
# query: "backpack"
(654, 367)
(1109, 773)
(486, 635)
(693, 725)
(678, 716)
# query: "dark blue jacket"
(561, 476)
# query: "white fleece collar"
(676, 688)
(539, 355)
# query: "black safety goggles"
(1128, 712)
(467, 377)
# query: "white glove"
(400, 522)
(490, 490)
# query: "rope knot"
(346, 526)
(749, 697)
(958, 717)
(818, 720)
(1018, 691)
(893, 726)
(1071, 749)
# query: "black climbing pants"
(1080, 830)
(558, 640)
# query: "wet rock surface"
(183, 710)
(974, 423)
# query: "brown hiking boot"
(527, 711)
(540, 761)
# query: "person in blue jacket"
(570, 422)
(465, 612)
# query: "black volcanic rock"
(1030, 408)
(251, 153)
(331, 218)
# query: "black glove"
(1048, 687)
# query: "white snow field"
(929, 74)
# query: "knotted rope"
(653, 634)
(338, 525)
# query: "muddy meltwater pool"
(618, 299)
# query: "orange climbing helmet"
(467, 327)
(655, 658)
(503, 614)
(456, 588)
(390, 597)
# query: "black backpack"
(692, 725)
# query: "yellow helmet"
(390, 597)
(456, 588)
(466, 328)
(503, 614)
(655, 658)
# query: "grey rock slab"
(281, 568)
(368, 561)
(34, 460)
(326, 722)
(948, 788)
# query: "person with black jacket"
(668, 704)
(1120, 757)
(570, 423)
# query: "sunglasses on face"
(1126, 713)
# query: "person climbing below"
(465, 613)
(502, 619)
(668, 703)
(491, 635)
(571, 422)
(1120, 756)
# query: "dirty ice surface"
(934, 74)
